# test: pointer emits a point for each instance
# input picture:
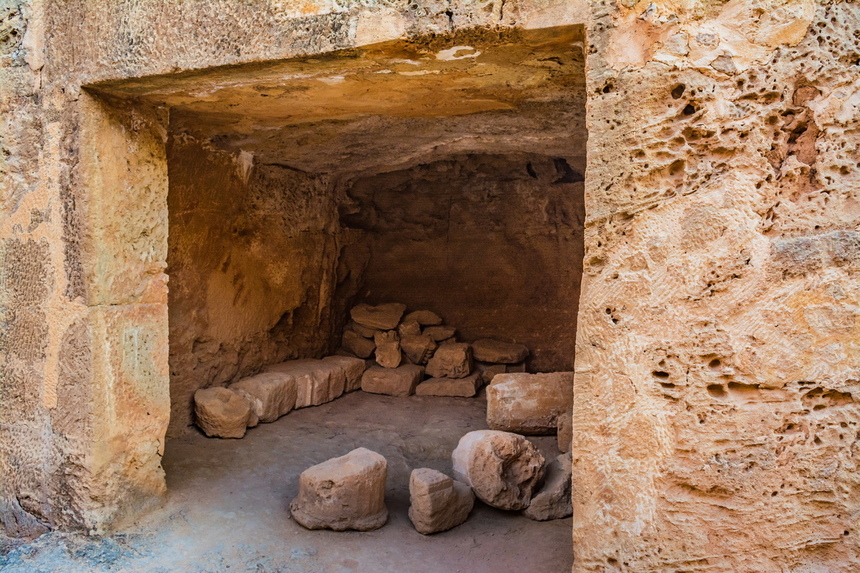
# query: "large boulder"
(317, 381)
(352, 368)
(529, 403)
(356, 344)
(436, 502)
(223, 413)
(424, 318)
(381, 317)
(343, 493)
(271, 394)
(553, 500)
(418, 348)
(498, 352)
(502, 468)
(451, 360)
(456, 387)
(400, 381)
(388, 349)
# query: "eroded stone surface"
(498, 352)
(418, 349)
(387, 353)
(352, 367)
(436, 502)
(343, 493)
(458, 387)
(451, 360)
(502, 468)
(317, 381)
(529, 403)
(222, 413)
(381, 317)
(565, 431)
(424, 318)
(357, 344)
(440, 333)
(400, 381)
(552, 500)
(271, 394)
(489, 371)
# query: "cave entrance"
(444, 173)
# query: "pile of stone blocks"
(415, 353)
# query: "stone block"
(352, 368)
(343, 493)
(502, 468)
(498, 352)
(451, 360)
(399, 381)
(357, 344)
(457, 387)
(361, 330)
(223, 413)
(271, 394)
(409, 328)
(436, 502)
(381, 317)
(553, 499)
(418, 349)
(424, 318)
(488, 371)
(317, 381)
(440, 333)
(529, 403)
(388, 353)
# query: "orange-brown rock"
(271, 394)
(436, 502)
(418, 349)
(317, 381)
(424, 318)
(223, 413)
(356, 344)
(498, 352)
(352, 368)
(451, 360)
(552, 500)
(400, 381)
(529, 403)
(457, 387)
(388, 353)
(381, 317)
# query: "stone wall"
(251, 260)
(491, 243)
(717, 417)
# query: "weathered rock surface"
(409, 328)
(424, 318)
(440, 333)
(381, 317)
(357, 344)
(565, 431)
(418, 349)
(352, 368)
(361, 330)
(400, 381)
(502, 468)
(437, 502)
(271, 394)
(343, 493)
(451, 360)
(488, 371)
(529, 403)
(388, 349)
(223, 413)
(498, 352)
(317, 381)
(457, 387)
(553, 499)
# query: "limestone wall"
(716, 415)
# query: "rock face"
(388, 349)
(381, 317)
(352, 368)
(222, 413)
(565, 431)
(457, 387)
(400, 381)
(343, 493)
(436, 502)
(502, 468)
(497, 352)
(529, 403)
(451, 360)
(271, 394)
(418, 349)
(440, 333)
(357, 344)
(317, 381)
(552, 501)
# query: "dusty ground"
(228, 499)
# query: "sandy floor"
(227, 507)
